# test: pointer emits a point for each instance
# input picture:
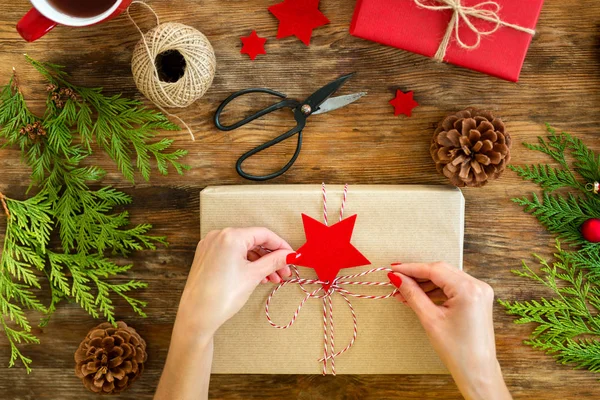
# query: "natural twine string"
(329, 353)
(4, 205)
(464, 13)
(196, 50)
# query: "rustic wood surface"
(363, 143)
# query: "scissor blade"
(334, 103)
(316, 99)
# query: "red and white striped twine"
(329, 353)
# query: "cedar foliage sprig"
(55, 146)
(120, 126)
(568, 323)
(562, 213)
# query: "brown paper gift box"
(394, 224)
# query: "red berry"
(591, 230)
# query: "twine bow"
(329, 353)
(486, 10)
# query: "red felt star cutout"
(328, 249)
(253, 45)
(298, 18)
(403, 103)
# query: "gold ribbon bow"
(487, 11)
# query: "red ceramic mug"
(43, 17)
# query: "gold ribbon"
(487, 11)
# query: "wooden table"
(364, 143)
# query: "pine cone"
(471, 147)
(110, 359)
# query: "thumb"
(415, 297)
(270, 263)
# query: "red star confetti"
(403, 103)
(298, 18)
(253, 45)
(328, 249)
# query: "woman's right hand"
(455, 310)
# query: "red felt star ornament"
(253, 45)
(298, 18)
(403, 103)
(328, 249)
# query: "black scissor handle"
(296, 130)
(286, 103)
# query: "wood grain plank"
(363, 143)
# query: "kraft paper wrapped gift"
(394, 224)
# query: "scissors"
(317, 103)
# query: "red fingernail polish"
(397, 263)
(395, 279)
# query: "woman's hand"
(228, 266)
(455, 310)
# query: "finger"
(440, 274)
(437, 296)
(285, 272)
(416, 298)
(400, 297)
(274, 277)
(264, 238)
(257, 253)
(252, 255)
(261, 251)
(427, 286)
(270, 263)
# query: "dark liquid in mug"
(82, 8)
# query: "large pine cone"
(109, 359)
(471, 147)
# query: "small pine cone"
(51, 88)
(110, 359)
(471, 147)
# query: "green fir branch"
(90, 223)
(122, 127)
(567, 324)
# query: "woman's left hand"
(228, 266)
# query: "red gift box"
(407, 25)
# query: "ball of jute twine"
(200, 64)
(199, 69)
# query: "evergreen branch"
(568, 323)
(547, 177)
(55, 147)
(120, 125)
(17, 337)
(561, 214)
(587, 163)
(581, 354)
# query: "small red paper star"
(253, 45)
(328, 249)
(403, 103)
(298, 18)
